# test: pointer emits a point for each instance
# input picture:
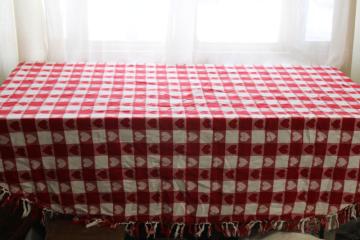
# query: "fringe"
(236, 230)
(154, 229)
(17, 204)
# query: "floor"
(63, 229)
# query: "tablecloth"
(185, 144)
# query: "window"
(264, 21)
(198, 31)
(319, 20)
(239, 21)
(128, 20)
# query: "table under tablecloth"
(181, 143)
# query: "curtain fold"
(309, 32)
(8, 42)
(180, 42)
(343, 34)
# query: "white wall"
(355, 69)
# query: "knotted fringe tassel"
(302, 224)
(150, 228)
(279, 225)
(251, 227)
(15, 203)
(130, 229)
(47, 214)
(332, 222)
(199, 229)
(93, 223)
(4, 194)
(230, 229)
(178, 230)
(26, 208)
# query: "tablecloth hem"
(313, 225)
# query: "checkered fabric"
(184, 143)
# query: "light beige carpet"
(288, 236)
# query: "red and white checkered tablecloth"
(184, 143)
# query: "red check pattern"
(185, 143)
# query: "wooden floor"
(66, 230)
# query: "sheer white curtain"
(185, 31)
(8, 42)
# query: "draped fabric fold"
(308, 32)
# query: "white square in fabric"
(154, 185)
(232, 136)
(354, 162)
(202, 210)
(334, 136)
(23, 164)
(58, 208)
(179, 136)
(71, 137)
(106, 208)
(350, 186)
(179, 185)
(153, 161)
(326, 185)
(74, 162)
(276, 208)
(279, 185)
(127, 161)
(152, 136)
(98, 136)
(299, 207)
(44, 137)
(230, 162)
(28, 187)
(81, 209)
(179, 161)
(250, 208)
(309, 136)
(330, 161)
(101, 162)
(206, 136)
(179, 209)
(126, 136)
(78, 187)
(256, 162)
(155, 209)
(284, 136)
(253, 186)
(303, 185)
(104, 186)
(227, 209)
(129, 186)
(205, 162)
(229, 186)
(18, 139)
(258, 136)
(356, 137)
(130, 209)
(204, 186)
(321, 207)
(306, 161)
(282, 161)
